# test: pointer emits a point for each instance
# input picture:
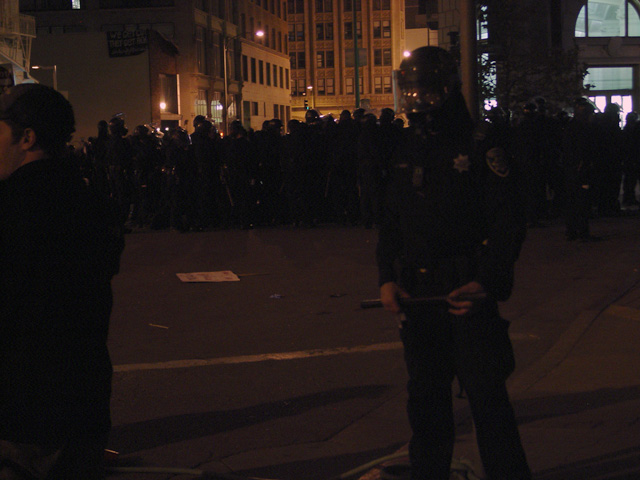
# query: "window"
(325, 59)
(295, 6)
(299, 87)
(324, 31)
(44, 5)
(261, 72)
(386, 29)
(245, 68)
(328, 31)
(201, 59)
(348, 5)
(268, 71)
(286, 77)
(377, 85)
(387, 84)
(610, 18)
(254, 109)
(386, 57)
(324, 6)
(348, 85)
(348, 31)
(329, 59)
(320, 89)
(377, 29)
(281, 77)
(382, 4)
(201, 102)
(293, 60)
(169, 89)
(216, 108)
(132, 3)
(300, 32)
(382, 57)
(301, 60)
(609, 78)
(219, 8)
(216, 55)
(231, 61)
(292, 32)
(276, 111)
(275, 75)
(331, 90)
(253, 70)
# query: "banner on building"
(127, 43)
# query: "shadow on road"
(135, 437)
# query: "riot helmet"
(311, 116)
(426, 79)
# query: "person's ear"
(29, 139)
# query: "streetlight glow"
(54, 68)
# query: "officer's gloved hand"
(466, 298)
(389, 294)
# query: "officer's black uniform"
(448, 220)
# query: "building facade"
(162, 62)
(324, 36)
(606, 34)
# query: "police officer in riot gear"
(451, 226)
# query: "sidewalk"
(579, 406)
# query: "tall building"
(324, 36)
(162, 62)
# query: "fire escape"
(16, 33)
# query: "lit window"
(610, 18)
(609, 78)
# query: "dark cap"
(41, 108)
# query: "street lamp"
(225, 59)
(311, 92)
(51, 67)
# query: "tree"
(516, 62)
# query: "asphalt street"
(281, 374)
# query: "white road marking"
(207, 362)
(323, 352)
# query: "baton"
(418, 301)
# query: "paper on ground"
(223, 276)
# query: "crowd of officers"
(327, 170)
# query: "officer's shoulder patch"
(497, 161)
